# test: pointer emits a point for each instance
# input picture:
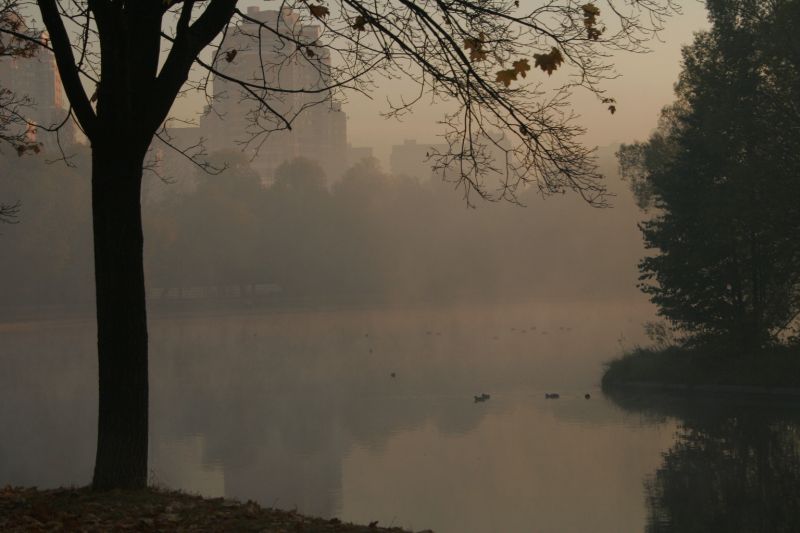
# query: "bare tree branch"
(9, 213)
(65, 60)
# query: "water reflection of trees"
(733, 467)
(281, 415)
(271, 406)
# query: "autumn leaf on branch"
(520, 67)
(506, 76)
(549, 62)
(475, 47)
(594, 33)
(22, 149)
(590, 14)
(611, 104)
(318, 11)
(360, 23)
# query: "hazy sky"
(644, 87)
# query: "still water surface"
(300, 409)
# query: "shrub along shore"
(773, 371)
(81, 509)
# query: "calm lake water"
(299, 409)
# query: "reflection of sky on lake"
(299, 409)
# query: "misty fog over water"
(369, 237)
(300, 409)
(352, 396)
(232, 294)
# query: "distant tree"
(17, 42)
(300, 176)
(300, 233)
(216, 228)
(123, 64)
(222, 224)
(47, 255)
(720, 180)
(14, 43)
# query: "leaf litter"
(28, 509)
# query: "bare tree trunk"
(121, 460)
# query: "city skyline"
(640, 98)
(354, 125)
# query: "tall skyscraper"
(37, 80)
(317, 126)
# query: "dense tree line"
(720, 182)
(369, 236)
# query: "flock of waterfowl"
(547, 395)
(482, 397)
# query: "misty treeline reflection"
(732, 468)
(284, 407)
(368, 235)
(279, 408)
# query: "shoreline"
(773, 372)
(26, 509)
(707, 388)
(203, 308)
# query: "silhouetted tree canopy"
(720, 180)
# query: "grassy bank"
(32, 510)
(777, 367)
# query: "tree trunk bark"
(122, 432)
